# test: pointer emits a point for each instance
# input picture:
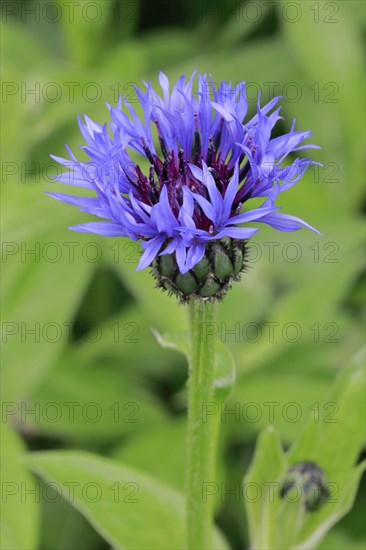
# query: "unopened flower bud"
(222, 264)
(310, 480)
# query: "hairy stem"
(202, 432)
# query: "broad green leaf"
(338, 539)
(336, 69)
(283, 393)
(325, 286)
(19, 504)
(128, 508)
(159, 451)
(43, 284)
(84, 30)
(62, 525)
(338, 430)
(22, 52)
(94, 400)
(126, 339)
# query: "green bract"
(222, 264)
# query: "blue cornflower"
(178, 178)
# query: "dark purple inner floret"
(174, 173)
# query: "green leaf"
(333, 63)
(325, 286)
(42, 287)
(159, 451)
(84, 30)
(317, 525)
(178, 341)
(22, 52)
(150, 299)
(335, 436)
(128, 508)
(225, 372)
(92, 400)
(232, 32)
(268, 466)
(19, 504)
(62, 525)
(280, 394)
(127, 339)
(339, 539)
(333, 440)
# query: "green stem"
(202, 432)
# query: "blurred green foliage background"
(293, 321)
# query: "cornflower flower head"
(180, 177)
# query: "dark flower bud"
(307, 481)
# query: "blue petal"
(187, 209)
(287, 142)
(225, 112)
(101, 228)
(87, 202)
(181, 255)
(162, 215)
(196, 171)
(170, 248)
(236, 232)
(252, 215)
(206, 207)
(215, 196)
(152, 248)
(164, 83)
(194, 255)
(286, 223)
(231, 191)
